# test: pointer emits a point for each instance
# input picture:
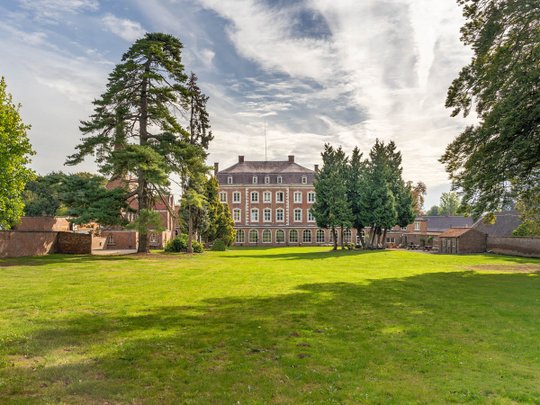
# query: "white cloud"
(124, 28)
(53, 10)
(392, 60)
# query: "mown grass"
(287, 325)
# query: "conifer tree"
(134, 131)
(331, 208)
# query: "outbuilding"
(462, 240)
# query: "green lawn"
(287, 325)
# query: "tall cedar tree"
(331, 208)
(15, 152)
(498, 159)
(133, 131)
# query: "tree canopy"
(498, 159)
(15, 152)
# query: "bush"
(219, 245)
(178, 244)
(198, 247)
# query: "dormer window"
(279, 180)
(304, 179)
(229, 180)
(267, 180)
(255, 180)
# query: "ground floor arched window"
(293, 236)
(240, 236)
(306, 237)
(267, 236)
(280, 236)
(320, 236)
(347, 236)
(253, 236)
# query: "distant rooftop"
(257, 166)
(505, 223)
(442, 223)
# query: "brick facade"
(270, 203)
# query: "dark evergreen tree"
(133, 130)
(331, 208)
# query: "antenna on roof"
(265, 144)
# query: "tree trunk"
(342, 232)
(190, 233)
(373, 234)
(384, 238)
(334, 235)
(143, 139)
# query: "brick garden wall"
(18, 244)
(529, 247)
(74, 243)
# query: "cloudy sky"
(314, 71)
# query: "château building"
(270, 203)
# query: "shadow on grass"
(270, 253)
(439, 337)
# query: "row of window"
(267, 197)
(294, 236)
(255, 180)
(267, 215)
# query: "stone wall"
(74, 243)
(528, 247)
(120, 240)
(18, 244)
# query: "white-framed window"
(293, 236)
(297, 215)
(110, 240)
(306, 236)
(223, 196)
(229, 180)
(254, 196)
(417, 226)
(280, 215)
(280, 236)
(311, 197)
(279, 179)
(320, 236)
(390, 240)
(310, 216)
(347, 236)
(255, 180)
(237, 215)
(267, 197)
(240, 236)
(254, 215)
(266, 179)
(267, 215)
(304, 179)
(236, 197)
(153, 238)
(297, 197)
(267, 236)
(280, 197)
(253, 236)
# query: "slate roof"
(266, 167)
(505, 223)
(442, 223)
(454, 232)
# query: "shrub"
(177, 244)
(219, 245)
(349, 246)
(198, 247)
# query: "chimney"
(216, 168)
(240, 159)
(316, 168)
(291, 158)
